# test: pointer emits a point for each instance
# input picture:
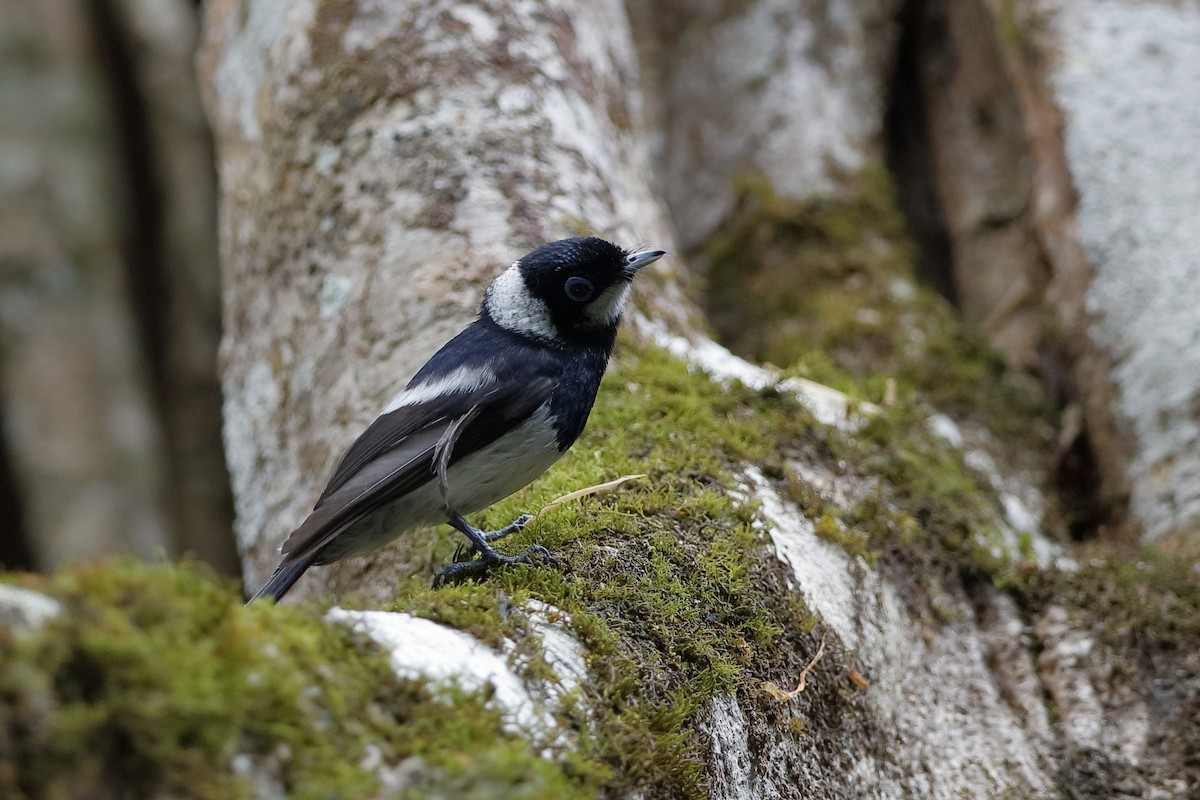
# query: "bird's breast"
(506, 465)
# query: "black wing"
(390, 430)
(395, 455)
(481, 345)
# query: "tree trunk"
(1072, 233)
(82, 438)
(1124, 80)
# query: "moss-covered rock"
(826, 287)
(158, 682)
(668, 581)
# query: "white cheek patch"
(606, 309)
(511, 306)
(463, 380)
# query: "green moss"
(1144, 604)
(1143, 611)
(157, 679)
(1019, 26)
(681, 614)
(780, 270)
(662, 579)
(825, 288)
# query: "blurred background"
(110, 302)
(955, 129)
(110, 313)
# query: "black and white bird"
(488, 413)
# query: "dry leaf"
(578, 493)
(773, 690)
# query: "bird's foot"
(488, 559)
(463, 553)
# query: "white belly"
(510, 463)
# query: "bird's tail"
(285, 575)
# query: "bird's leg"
(488, 557)
(464, 553)
(480, 540)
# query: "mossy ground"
(157, 682)
(1141, 608)
(663, 578)
(825, 288)
(157, 678)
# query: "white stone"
(828, 405)
(25, 608)
(421, 648)
(922, 678)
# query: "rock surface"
(1126, 78)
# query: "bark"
(172, 256)
(970, 144)
(1120, 78)
(111, 400)
(795, 91)
(1057, 132)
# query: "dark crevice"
(186, 413)
(1077, 480)
(144, 244)
(908, 149)
(15, 550)
(938, 47)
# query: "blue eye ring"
(579, 289)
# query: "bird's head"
(572, 289)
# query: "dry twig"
(782, 696)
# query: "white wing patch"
(462, 380)
(513, 307)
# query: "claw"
(460, 570)
(463, 553)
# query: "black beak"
(635, 261)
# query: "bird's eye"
(579, 289)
